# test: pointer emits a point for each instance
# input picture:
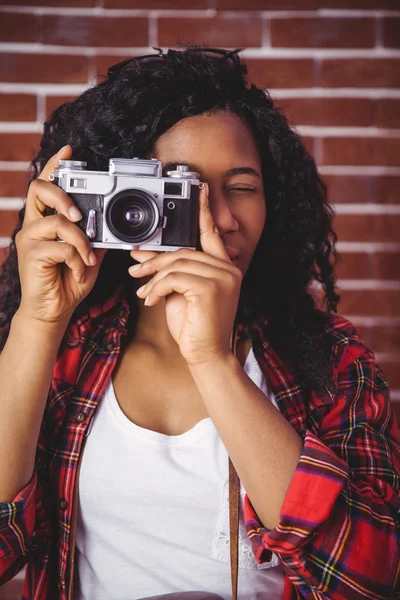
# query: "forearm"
(263, 446)
(26, 366)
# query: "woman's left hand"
(201, 291)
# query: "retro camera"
(132, 206)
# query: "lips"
(232, 252)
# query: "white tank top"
(153, 513)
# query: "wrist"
(38, 327)
(221, 362)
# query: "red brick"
(158, 4)
(309, 144)
(386, 265)
(323, 33)
(353, 265)
(13, 184)
(391, 372)
(3, 256)
(17, 107)
(267, 4)
(8, 222)
(372, 303)
(19, 146)
(360, 72)
(95, 31)
(385, 338)
(367, 228)
(391, 32)
(361, 151)
(18, 27)
(30, 3)
(328, 111)
(102, 63)
(281, 72)
(387, 113)
(53, 102)
(42, 68)
(364, 333)
(382, 189)
(361, 4)
(216, 32)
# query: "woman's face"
(222, 149)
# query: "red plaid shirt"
(338, 534)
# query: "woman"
(128, 386)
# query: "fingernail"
(92, 258)
(62, 149)
(134, 268)
(140, 290)
(75, 214)
(146, 302)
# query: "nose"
(224, 219)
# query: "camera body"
(132, 206)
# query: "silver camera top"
(137, 167)
(72, 164)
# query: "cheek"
(255, 221)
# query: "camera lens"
(132, 216)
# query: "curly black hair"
(125, 114)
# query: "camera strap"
(234, 497)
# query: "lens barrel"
(132, 216)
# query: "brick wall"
(334, 65)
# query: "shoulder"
(91, 333)
(343, 342)
(347, 345)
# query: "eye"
(241, 189)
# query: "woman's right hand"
(55, 276)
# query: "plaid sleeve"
(338, 534)
(17, 520)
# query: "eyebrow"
(230, 173)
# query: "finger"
(57, 226)
(226, 279)
(188, 285)
(210, 239)
(43, 194)
(162, 260)
(143, 255)
(53, 253)
(65, 153)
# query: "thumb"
(65, 153)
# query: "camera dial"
(182, 172)
(72, 164)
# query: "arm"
(26, 366)
(263, 446)
(54, 279)
(338, 532)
